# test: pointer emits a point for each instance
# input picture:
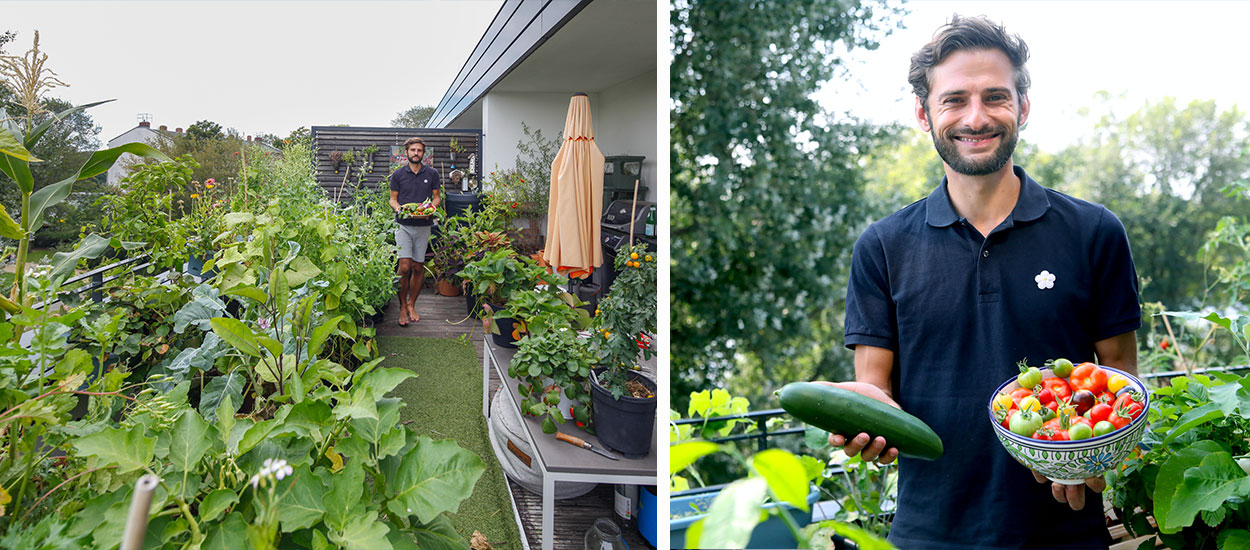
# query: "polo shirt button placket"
(985, 253)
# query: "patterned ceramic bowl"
(1070, 462)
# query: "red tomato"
(1119, 418)
(1054, 406)
(1020, 393)
(1088, 376)
(1099, 412)
(1058, 387)
(1129, 405)
(1046, 396)
(1106, 397)
(1055, 429)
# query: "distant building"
(143, 133)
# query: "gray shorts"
(412, 241)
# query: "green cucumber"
(847, 413)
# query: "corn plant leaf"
(682, 455)
(9, 228)
(130, 450)
(1206, 488)
(91, 247)
(45, 198)
(37, 132)
(15, 167)
(434, 477)
(301, 506)
(363, 532)
(439, 534)
(734, 513)
(190, 439)
(227, 535)
(237, 334)
(786, 476)
(217, 502)
(102, 160)
(12, 146)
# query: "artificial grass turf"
(445, 400)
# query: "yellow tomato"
(1116, 382)
(1002, 402)
(1030, 403)
(633, 255)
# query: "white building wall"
(121, 168)
(625, 124)
(503, 113)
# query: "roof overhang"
(553, 46)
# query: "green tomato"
(1030, 378)
(1080, 431)
(1024, 423)
(1103, 428)
(1061, 367)
(1047, 414)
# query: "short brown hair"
(967, 33)
(413, 140)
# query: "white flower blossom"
(1045, 280)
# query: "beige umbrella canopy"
(576, 200)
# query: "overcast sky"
(259, 67)
(1144, 49)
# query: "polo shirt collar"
(1030, 205)
(419, 169)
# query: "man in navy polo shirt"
(947, 294)
(413, 182)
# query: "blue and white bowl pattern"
(1070, 462)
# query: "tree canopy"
(415, 117)
(764, 181)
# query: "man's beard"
(415, 159)
(949, 151)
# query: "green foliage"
(1191, 478)
(151, 198)
(765, 185)
(549, 364)
(626, 319)
(414, 117)
(204, 130)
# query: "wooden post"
(137, 519)
(633, 211)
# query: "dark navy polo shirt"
(418, 187)
(959, 310)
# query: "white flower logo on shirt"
(1045, 280)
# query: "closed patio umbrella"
(576, 198)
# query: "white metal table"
(559, 461)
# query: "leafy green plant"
(1192, 477)
(151, 200)
(549, 364)
(500, 273)
(545, 309)
(627, 318)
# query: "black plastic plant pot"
(624, 425)
(470, 301)
(505, 326)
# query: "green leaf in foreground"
(190, 439)
(682, 455)
(786, 475)
(1171, 476)
(363, 532)
(302, 507)
(439, 534)
(129, 450)
(434, 477)
(217, 502)
(1207, 487)
(734, 513)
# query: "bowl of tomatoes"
(1070, 422)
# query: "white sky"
(1143, 49)
(259, 67)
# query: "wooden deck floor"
(444, 317)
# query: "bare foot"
(412, 314)
(403, 317)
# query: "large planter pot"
(624, 425)
(470, 301)
(772, 533)
(447, 287)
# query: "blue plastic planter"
(769, 534)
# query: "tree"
(1163, 170)
(765, 184)
(205, 130)
(416, 117)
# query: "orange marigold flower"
(195, 195)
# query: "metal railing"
(96, 279)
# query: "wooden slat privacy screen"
(330, 139)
